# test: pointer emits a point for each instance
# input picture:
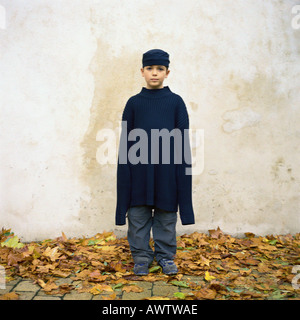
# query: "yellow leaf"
(12, 243)
(208, 277)
(98, 288)
(105, 248)
(110, 238)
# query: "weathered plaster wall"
(68, 67)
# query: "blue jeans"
(163, 223)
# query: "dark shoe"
(141, 269)
(168, 266)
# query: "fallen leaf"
(99, 288)
(249, 234)
(53, 254)
(253, 267)
(132, 289)
(157, 298)
(49, 286)
(14, 259)
(208, 277)
(155, 269)
(205, 294)
(95, 275)
(215, 234)
(182, 284)
(179, 295)
(10, 296)
(64, 237)
(118, 266)
(61, 274)
(12, 243)
(118, 286)
(65, 288)
(110, 297)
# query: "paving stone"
(78, 296)
(6, 290)
(14, 282)
(162, 283)
(144, 284)
(192, 278)
(42, 293)
(100, 296)
(164, 290)
(46, 298)
(26, 285)
(136, 295)
(26, 295)
(60, 281)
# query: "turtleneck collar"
(155, 93)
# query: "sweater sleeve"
(183, 170)
(123, 168)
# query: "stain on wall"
(115, 78)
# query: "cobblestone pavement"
(28, 290)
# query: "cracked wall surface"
(67, 69)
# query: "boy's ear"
(142, 71)
(167, 73)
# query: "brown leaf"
(249, 234)
(53, 254)
(61, 274)
(132, 289)
(205, 294)
(216, 234)
(14, 259)
(83, 275)
(118, 266)
(263, 268)
(49, 286)
(94, 275)
(10, 296)
(98, 288)
(251, 294)
(217, 286)
(250, 261)
(110, 297)
(64, 237)
(65, 288)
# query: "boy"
(149, 187)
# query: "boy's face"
(155, 76)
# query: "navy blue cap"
(156, 57)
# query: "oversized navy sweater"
(152, 180)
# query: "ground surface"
(211, 266)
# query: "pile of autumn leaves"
(227, 267)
